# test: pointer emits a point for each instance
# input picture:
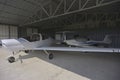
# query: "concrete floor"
(64, 66)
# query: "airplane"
(39, 42)
(27, 43)
(88, 43)
(78, 41)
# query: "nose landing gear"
(11, 59)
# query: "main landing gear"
(11, 59)
(26, 51)
(50, 55)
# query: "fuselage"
(90, 43)
(23, 44)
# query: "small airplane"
(88, 43)
(40, 42)
(26, 44)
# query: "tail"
(107, 39)
(64, 37)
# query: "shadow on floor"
(95, 66)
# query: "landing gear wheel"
(50, 56)
(11, 59)
(26, 51)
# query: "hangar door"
(7, 32)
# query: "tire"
(50, 56)
(26, 51)
(11, 59)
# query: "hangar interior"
(92, 18)
(89, 17)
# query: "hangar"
(93, 18)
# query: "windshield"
(35, 37)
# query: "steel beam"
(38, 5)
(57, 7)
(44, 10)
(50, 8)
(97, 2)
(101, 1)
(64, 6)
(85, 4)
(82, 9)
(70, 5)
(80, 4)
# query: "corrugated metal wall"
(22, 31)
(8, 31)
(35, 30)
(31, 30)
(114, 33)
(4, 32)
(13, 32)
(99, 34)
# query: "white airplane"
(22, 44)
(37, 42)
(88, 42)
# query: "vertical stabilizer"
(64, 36)
(107, 39)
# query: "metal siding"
(22, 32)
(99, 34)
(7, 31)
(35, 30)
(29, 31)
(0, 32)
(13, 32)
(4, 32)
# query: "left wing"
(108, 50)
(15, 45)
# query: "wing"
(108, 50)
(15, 45)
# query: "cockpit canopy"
(34, 37)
